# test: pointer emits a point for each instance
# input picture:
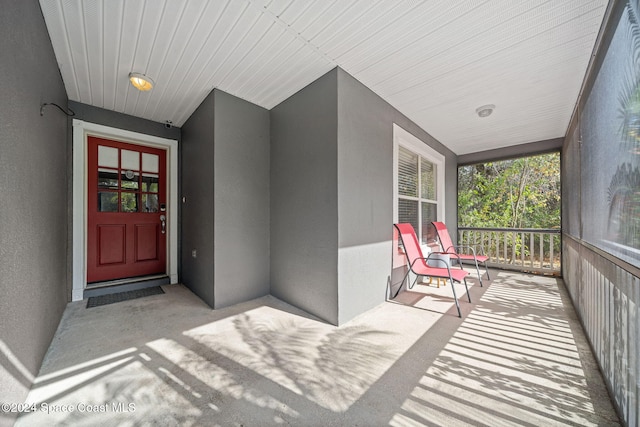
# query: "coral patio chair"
(419, 265)
(455, 251)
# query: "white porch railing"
(523, 249)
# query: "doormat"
(123, 296)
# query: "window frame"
(402, 138)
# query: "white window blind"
(417, 201)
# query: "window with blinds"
(417, 195)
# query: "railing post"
(531, 249)
(489, 251)
(541, 250)
(505, 249)
(551, 242)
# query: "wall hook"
(71, 113)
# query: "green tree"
(517, 193)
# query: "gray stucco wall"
(332, 196)
(241, 200)
(197, 209)
(365, 192)
(117, 120)
(225, 216)
(33, 182)
(304, 199)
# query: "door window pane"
(107, 178)
(107, 156)
(122, 187)
(150, 182)
(130, 160)
(129, 202)
(130, 180)
(149, 203)
(107, 201)
(150, 162)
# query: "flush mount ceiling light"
(141, 82)
(485, 110)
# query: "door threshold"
(123, 285)
(123, 281)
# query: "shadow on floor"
(515, 358)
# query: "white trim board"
(81, 130)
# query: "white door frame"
(81, 130)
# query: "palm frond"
(633, 15)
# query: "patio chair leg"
(486, 270)
(455, 298)
(444, 281)
(478, 271)
(467, 288)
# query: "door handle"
(163, 221)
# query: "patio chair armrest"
(414, 261)
(446, 264)
(452, 251)
(435, 259)
(472, 249)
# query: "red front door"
(127, 210)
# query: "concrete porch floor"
(517, 357)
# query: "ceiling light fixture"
(141, 82)
(485, 110)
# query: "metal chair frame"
(426, 270)
(456, 250)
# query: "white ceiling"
(434, 60)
